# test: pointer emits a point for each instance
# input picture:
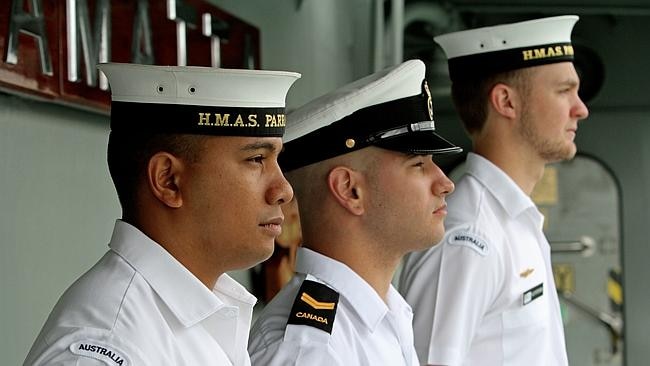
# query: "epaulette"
(315, 306)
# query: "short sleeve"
(84, 347)
(302, 345)
(450, 288)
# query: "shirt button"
(230, 313)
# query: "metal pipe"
(506, 7)
(397, 23)
(378, 56)
(585, 246)
(613, 322)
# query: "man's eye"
(256, 159)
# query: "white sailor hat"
(490, 50)
(391, 109)
(197, 100)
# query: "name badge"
(533, 293)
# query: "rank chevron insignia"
(314, 306)
(315, 303)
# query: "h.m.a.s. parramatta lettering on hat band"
(197, 100)
(197, 119)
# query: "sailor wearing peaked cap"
(516, 91)
(360, 161)
(193, 155)
(391, 109)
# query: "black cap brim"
(421, 142)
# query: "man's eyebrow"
(259, 145)
(570, 82)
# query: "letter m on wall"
(95, 39)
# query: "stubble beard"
(549, 151)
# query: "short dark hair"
(470, 95)
(128, 155)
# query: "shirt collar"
(364, 299)
(506, 191)
(187, 297)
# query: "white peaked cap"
(391, 109)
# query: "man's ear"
(345, 185)
(163, 177)
(505, 100)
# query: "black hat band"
(197, 120)
(489, 63)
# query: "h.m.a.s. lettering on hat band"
(500, 61)
(197, 100)
(197, 119)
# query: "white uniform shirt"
(485, 295)
(139, 306)
(365, 330)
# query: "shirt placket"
(552, 298)
(222, 327)
(403, 333)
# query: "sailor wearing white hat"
(485, 295)
(490, 50)
(360, 160)
(193, 155)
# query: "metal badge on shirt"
(533, 293)
(315, 306)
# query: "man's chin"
(263, 251)
(266, 250)
(564, 155)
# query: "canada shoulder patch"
(462, 237)
(315, 306)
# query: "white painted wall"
(328, 41)
(57, 205)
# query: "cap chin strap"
(413, 127)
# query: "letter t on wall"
(183, 15)
(217, 30)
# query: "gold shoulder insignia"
(315, 306)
